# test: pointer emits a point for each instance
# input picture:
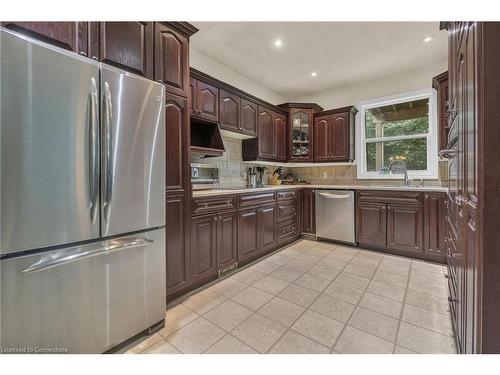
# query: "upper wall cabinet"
(440, 83)
(171, 59)
(229, 115)
(127, 45)
(73, 36)
(271, 143)
(334, 135)
(205, 101)
(248, 117)
(299, 134)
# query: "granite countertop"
(214, 192)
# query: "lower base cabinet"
(405, 223)
(404, 228)
(213, 245)
(203, 249)
(176, 250)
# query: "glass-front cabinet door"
(301, 126)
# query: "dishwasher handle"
(334, 196)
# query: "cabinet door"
(171, 60)
(229, 115)
(434, 224)
(176, 252)
(127, 45)
(267, 226)
(404, 227)
(72, 36)
(339, 137)
(309, 211)
(266, 134)
(300, 125)
(248, 234)
(321, 138)
(248, 118)
(207, 106)
(371, 224)
(279, 137)
(203, 249)
(226, 239)
(177, 141)
(193, 96)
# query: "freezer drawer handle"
(110, 247)
(333, 196)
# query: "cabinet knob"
(83, 53)
(451, 299)
(388, 207)
(95, 57)
(446, 276)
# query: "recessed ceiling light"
(278, 43)
(427, 39)
(314, 74)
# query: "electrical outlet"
(325, 175)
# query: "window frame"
(432, 171)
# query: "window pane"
(406, 118)
(413, 151)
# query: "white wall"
(342, 96)
(217, 70)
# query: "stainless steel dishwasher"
(335, 215)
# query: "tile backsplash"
(232, 170)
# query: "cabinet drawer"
(404, 197)
(287, 230)
(213, 204)
(248, 200)
(286, 194)
(287, 210)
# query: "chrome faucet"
(400, 165)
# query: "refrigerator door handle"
(94, 149)
(108, 152)
(109, 247)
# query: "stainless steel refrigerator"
(82, 241)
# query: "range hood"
(206, 139)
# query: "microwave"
(204, 176)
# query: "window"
(402, 127)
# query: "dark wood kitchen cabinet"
(440, 83)
(434, 223)
(248, 234)
(171, 59)
(127, 45)
(73, 36)
(371, 224)
(227, 235)
(177, 140)
(204, 101)
(177, 266)
(248, 117)
(271, 141)
(404, 227)
(203, 249)
(308, 211)
(267, 228)
(333, 135)
(229, 107)
(395, 222)
(299, 134)
(472, 202)
(177, 135)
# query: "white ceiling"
(340, 52)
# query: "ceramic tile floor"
(314, 297)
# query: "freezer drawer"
(335, 215)
(84, 299)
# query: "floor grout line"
(300, 251)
